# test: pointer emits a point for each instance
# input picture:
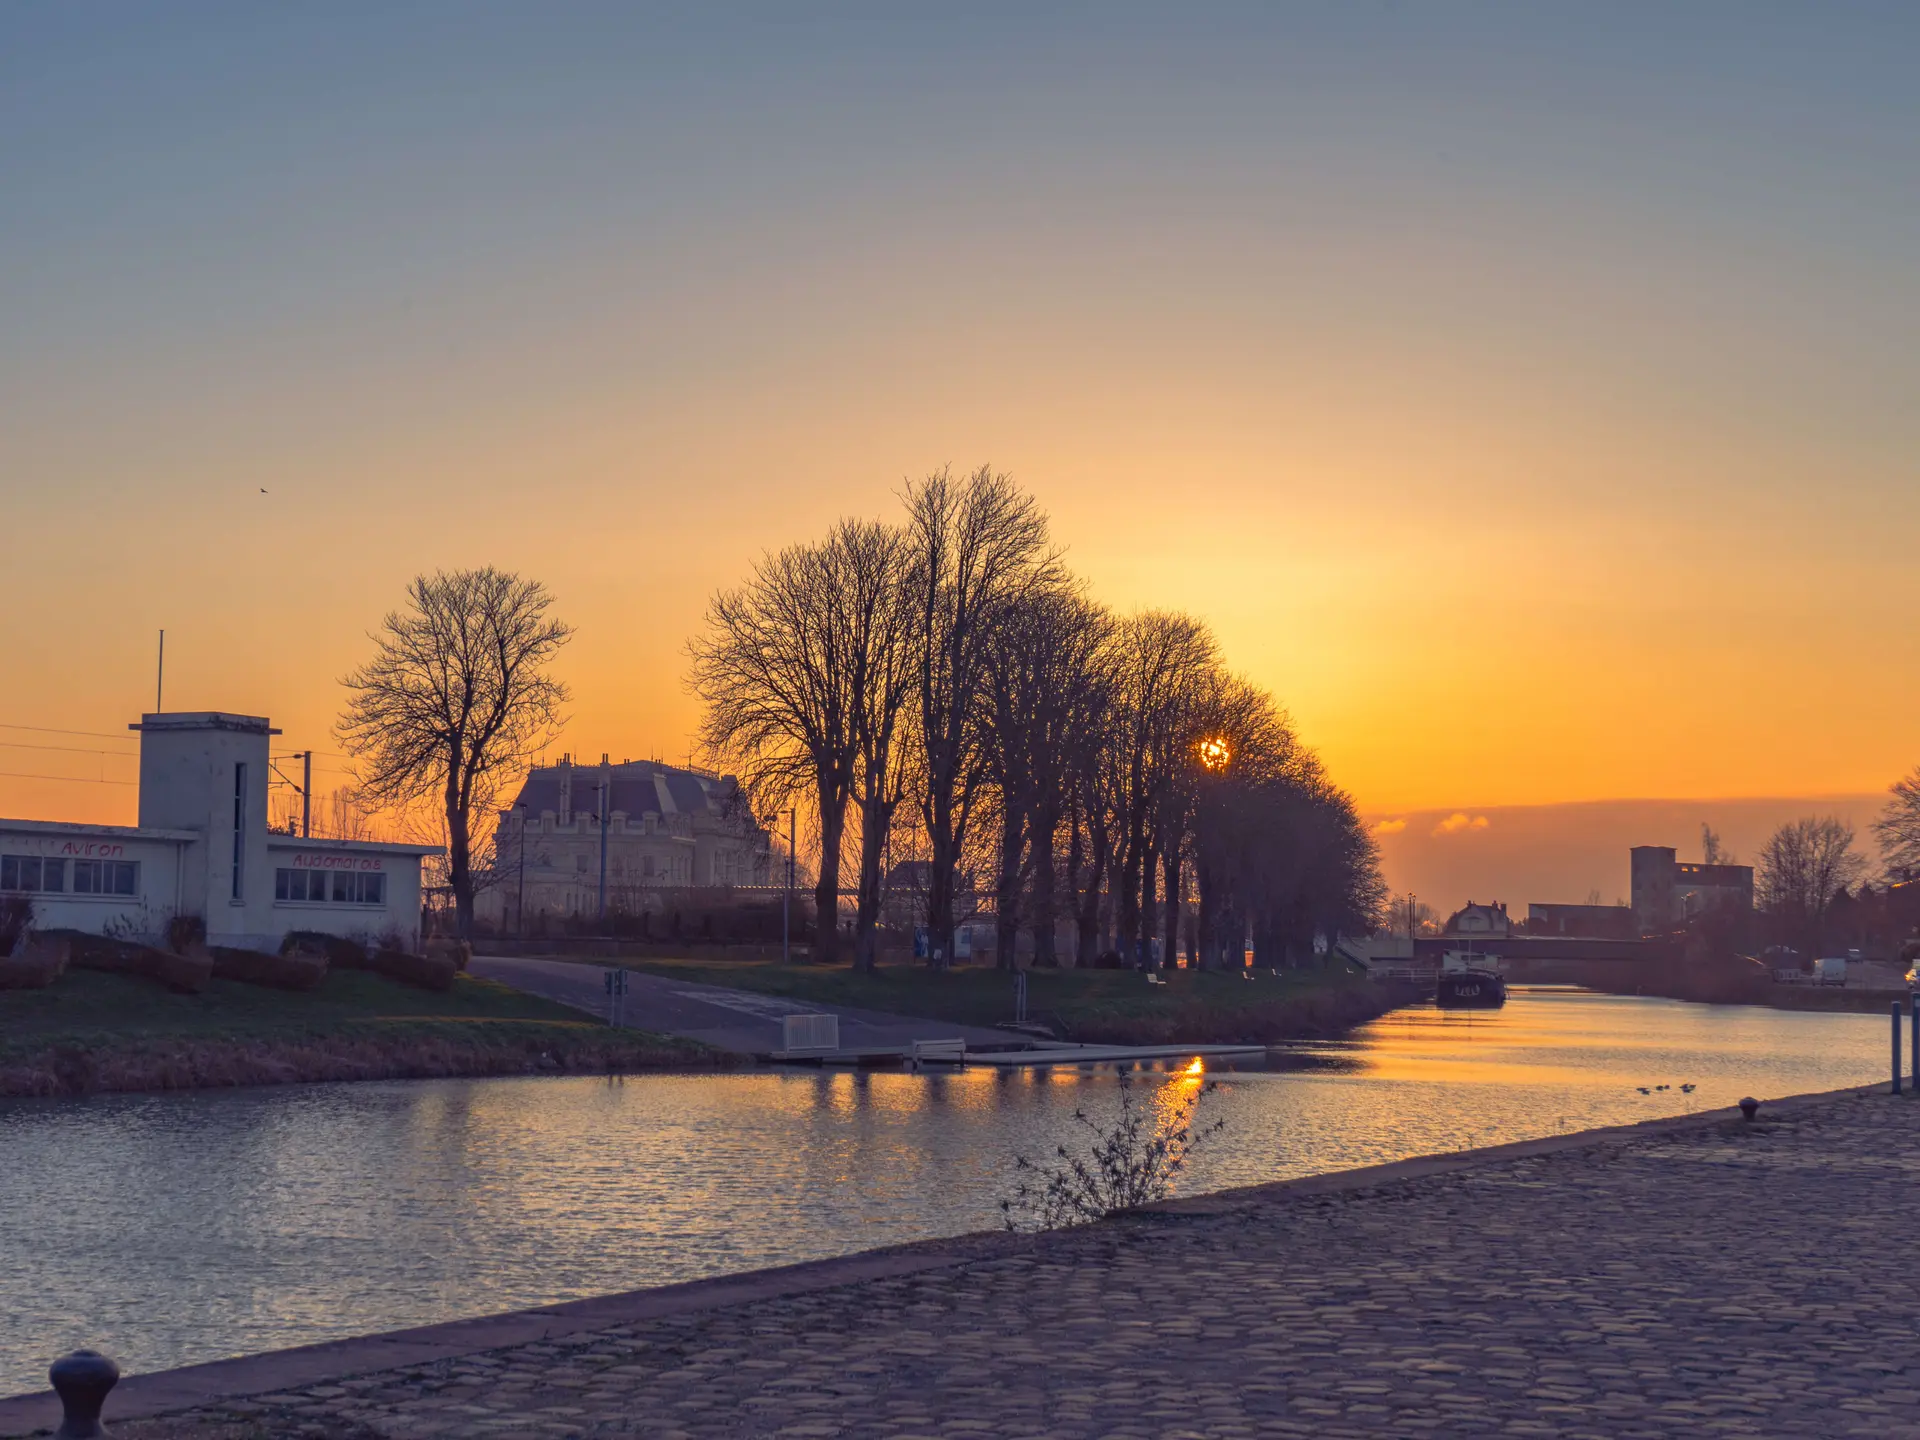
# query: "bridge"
(1618, 965)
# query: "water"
(169, 1229)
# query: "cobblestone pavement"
(1722, 1280)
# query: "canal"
(169, 1229)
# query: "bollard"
(1896, 1046)
(82, 1381)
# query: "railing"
(810, 1033)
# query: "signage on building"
(338, 862)
(78, 849)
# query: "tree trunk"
(459, 855)
(1171, 931)
(875, 818)
(1006, 918)
(1203, 939)
(940, 883)
(826, 891)
(1149, 912)
(1044, 948)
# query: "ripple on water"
(188, 1227)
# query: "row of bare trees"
(943, 686)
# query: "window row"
(338, 887)
(43, 876)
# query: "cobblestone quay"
(1704, 1277)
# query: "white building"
(658, 828)
(203, 848)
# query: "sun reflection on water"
(178, 1228)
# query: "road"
(738, 1020)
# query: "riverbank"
(93, 1032)
(1667, 1279)
(1102, 1007)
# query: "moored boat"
(1471, 990)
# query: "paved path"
(1702, 1278)
(738, 1020)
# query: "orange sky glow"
(1526, 460)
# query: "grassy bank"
(1099, 1006)
(91, 1031)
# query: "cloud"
(1459, 821)
(1388, 827)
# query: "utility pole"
(306, 795)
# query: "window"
(239, 827)
(30, 872)
(301, 886)
(106, 877)
(362, 887)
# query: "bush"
(186, 973)
(426, 972)
(16, 919)
(297, 971)
(1132, 1161)
(338, 951)
(185, 933)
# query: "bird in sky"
(263, 489)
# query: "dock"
(1037, 1056)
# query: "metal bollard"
(1896, 1046)
(82, 1381)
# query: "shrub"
(16, 919)
(1131, 1160)
(340, 952)
(184, 932)
(297, 970)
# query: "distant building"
(1587, 922)
(666, 827)
(203, 849)
(1479, 920)
(1667, 892)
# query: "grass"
(91, 1006)
(95, 1031)
(1095, 1005)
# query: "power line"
(69, 749)
(73, 779)
(55, 730)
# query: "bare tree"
(772, 671)
(980, 546)
(875, 613)
(455, 699)
(1046, 686)
(1802, 867)
(1712, 852)
(1899, 827)
(1166, 670)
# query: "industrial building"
(1669, 892)
(627, 832)
(1666, 893)
(203, 848)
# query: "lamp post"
(520, 905)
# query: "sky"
(1526, 394)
